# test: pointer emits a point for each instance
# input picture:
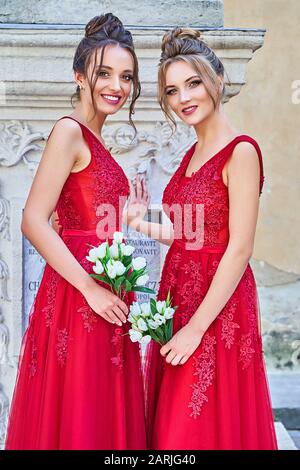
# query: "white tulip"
(135, 308)
(114, 251)
(131, 318)
(101, 250)
(127, 250)
(118, 237)
(93, 255)
(169, 313)
(145, 340)
(142, 325)
(153, 324)
(142, 280)
(138, 263)
(159, 318)
(146, 309)
(98, 268)
(160, 305)
(111, 270)
(135, 336)
(120, 268)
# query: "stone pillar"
(37, 83)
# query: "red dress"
(79, 383)
(219, 399)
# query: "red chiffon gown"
(220, 398)
(79, 383)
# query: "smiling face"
(186, 94)
(112, 81)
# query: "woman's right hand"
(106, 304)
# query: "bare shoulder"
(66, 131)
(245, 150)
(245, 156)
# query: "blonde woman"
(207, 387)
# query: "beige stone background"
(264, 109)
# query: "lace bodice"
(205, 187)
(88, 195)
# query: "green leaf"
(153, 306)
(155, 336)
(107, 253)
(127, 286)
(168, 298)
(169, 328)
(127, 269)
(143, 289)
(118, 282)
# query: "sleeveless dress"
(79, 382)
(219, 399)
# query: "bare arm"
(136, 210)
(243, 185)
(59, 157)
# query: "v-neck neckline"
(207, 161)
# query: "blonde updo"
(187, 45)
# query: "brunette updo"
(185, 44)
(100, 32)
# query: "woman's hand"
(183, 344)
(106, 304)
(138, 202)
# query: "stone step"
(284, 440)
(285, 395)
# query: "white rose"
(146, 309)
(160, 305)
(120, 268)
(169, 313)
(98, 268)
(138, 263)
(114, 251)
(142, 280)
(145, 340)
(127, 250)
(111, 270)
(135, 336)
(118, 237)
(101, 250)
(142, 325)
(93, 255)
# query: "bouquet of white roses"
(115, 266)
(151, 320)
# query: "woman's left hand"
(183, 344)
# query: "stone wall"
(141, 13)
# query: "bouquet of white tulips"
(115, 266)
(151, 320)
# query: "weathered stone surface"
(279, 295)
(142, 13)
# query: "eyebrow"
(187, 80)
(110, 68)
